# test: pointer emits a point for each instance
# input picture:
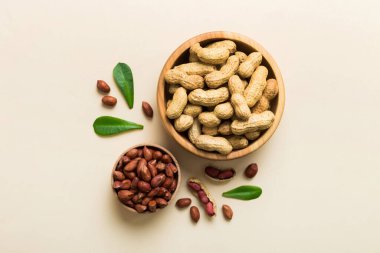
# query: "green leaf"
(245, 192)
(107, 125)
(122, 74)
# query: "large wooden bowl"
(245, 44)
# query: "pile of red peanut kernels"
(145, 179)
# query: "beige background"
(320, 172)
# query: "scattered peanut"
(184, 202)
(219, 175)
(147, 109)
(227, 212)
(251, 170)
(199, 190)
(109, 100)
(103, 86)
(212, 171)
(194, 214)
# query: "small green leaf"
(122, 74)
(245, 192)
(107, 125)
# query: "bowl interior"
(244, 44)
(155, 147)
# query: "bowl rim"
(184, 142)
(157, 147)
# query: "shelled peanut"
(221, 97)
(199, 190)
(218, 174)
(145, 179)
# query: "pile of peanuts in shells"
(221, 97)
(145, 179)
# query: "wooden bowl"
(245, 44)
(156, 147)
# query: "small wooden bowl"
(245, 44)
(157, 147)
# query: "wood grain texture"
(245, 44)
(163, 150)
